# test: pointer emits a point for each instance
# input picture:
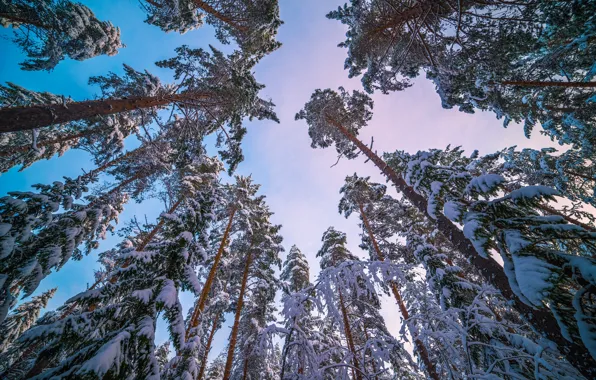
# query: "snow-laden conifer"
(251, 24)
(22, 318)
(529, 62)
(335, 118)
(50, 30)
(146, 281)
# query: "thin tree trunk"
(245, 369)
(542, 320)
(22, 118)
(208, 347)
(348, 331)
(430, 367)
(202, 301)
(234, 333)
(549, 84)
(213, 12)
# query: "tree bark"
(14, 119)
(430, 367)
(202, 301)
(213, 12)
(542, 320)
(549, 84)
(349, 337)
(234, 333)
(245, 369)
(208, 347)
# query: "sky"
(302, 188)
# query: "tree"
(542, 253)
(50, 30)
(252, 24)
(336, 119)
(212, 88)
(146, 282)
(468, 327)
(498, 56)
(347, 287)
(259, 245)
(359, 194)
(22, 318)
(103, 137)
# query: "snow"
(109, 355)
(168, 294)
(452, 210)
(533, 276)
(484, 184)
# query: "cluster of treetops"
(490, 260)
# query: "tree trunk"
(213, 12)
(202, 301)
(234, 333)
(348, 331)
(245, 369)
(542, 320)
(430, 367)
(14, 119)
(208, 347)
(549, 84)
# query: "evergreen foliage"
(50, 30)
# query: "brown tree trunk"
(202, 301)
(208, 347)
(430, 367)
(542, 320)
(234, 333)
(213, 12)
(14, 119)
(348, 331)
(245, 369)
(549, 84)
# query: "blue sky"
(300, 186)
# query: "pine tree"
(545, 257)
(497, 56)
(336, 119)
(468, 325)
(359, 194)
(349, 294)
(251, 24)
(257, 248)
(22, 318)
(147, 281)
(101, 136)
(212, 87)
(50, 30)
(217, 367)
